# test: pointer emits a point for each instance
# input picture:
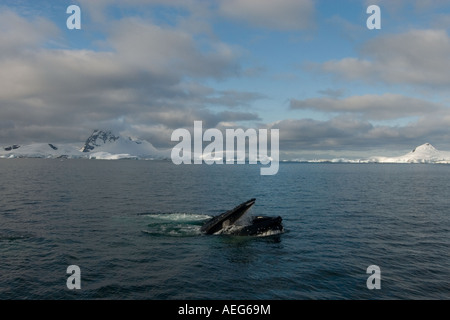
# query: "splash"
(174, 224)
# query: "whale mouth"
(225, 223)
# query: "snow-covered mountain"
(424, 153)
(41, 150)
(107, 145)
(99, 138)
(101, 144)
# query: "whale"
(229, 223)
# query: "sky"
(311, 69)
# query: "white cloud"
(417, 57)
(162, 50)
(18, 34)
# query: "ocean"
(133, 229)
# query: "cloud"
(365, 122)
(371, 107)
(417, 58)
(18, 35)
(308, 134)
(278, 15)
(148, 78)
(146, 46)
(344, 134)
(156, 126)
(233, 98)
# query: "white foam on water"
(175, 224)
(174, 231)
(179, 216)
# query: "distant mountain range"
(424, 153)
(104, 144)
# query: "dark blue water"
(133, 229)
